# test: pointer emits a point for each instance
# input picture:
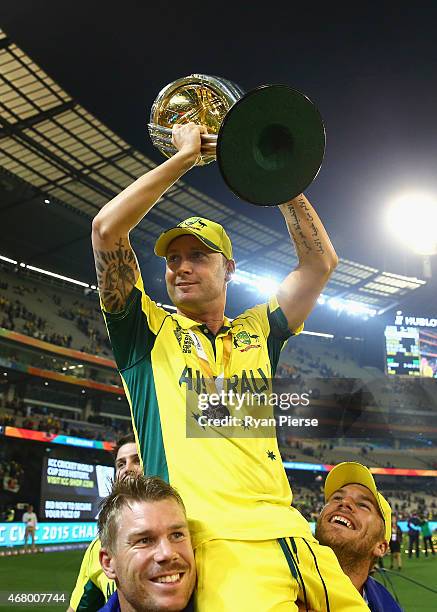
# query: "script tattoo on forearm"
(307, 240)
(116, 275)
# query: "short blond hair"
(131, 488)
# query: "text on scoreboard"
(12, 534)
(73, 490)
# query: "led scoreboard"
(411, 346)
(402, 347)
(72, 490)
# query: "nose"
(130, 466)
(347, 502)
(165, 551)
(185, 266)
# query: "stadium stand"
(61, 380)
(309, 499)
(64, 315)
(311, 356)
(48, 312)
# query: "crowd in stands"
(16, 316)
(43, 361)
(85, 318)
(398, 393)
(305, 363)
(404, 503)
(10, 475)
(38, 418)
(30, 324)
(309, 499)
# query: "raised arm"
(299, 291)
(116, 264)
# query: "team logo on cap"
(196, 223)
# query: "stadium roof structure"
(56, 147)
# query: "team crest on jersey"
(243, 341)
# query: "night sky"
(371, 70)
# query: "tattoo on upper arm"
(306, 240)
(116, 275)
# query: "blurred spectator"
(427, 537)
(395, 544)
(413, 534)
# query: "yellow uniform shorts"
(270, 576)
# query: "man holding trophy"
(254, 551)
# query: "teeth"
(173, 578)
(343, 520)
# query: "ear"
(107, 562)
(230, 269)
(380, 548)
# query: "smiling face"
(127, 460)
(350, 523)
(195, 276)
(153, 561)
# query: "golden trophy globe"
(269, 143)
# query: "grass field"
(38, 573)
(412, 597)
(57, 572)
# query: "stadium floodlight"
(351, 307)
(319, 334)
(266, 285)
(60, 276)
(47, 272)
(412, 218)
(8, 259)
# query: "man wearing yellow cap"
(254, 551)
(356, 524)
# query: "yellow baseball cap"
(212, 234)
(352, 472)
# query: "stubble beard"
(195, 303)
(348, 552)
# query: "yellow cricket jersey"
(93, 588)
(233, 487)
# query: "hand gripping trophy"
(269, 143)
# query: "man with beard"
(93, 588)
(356, 524)
(146, 546)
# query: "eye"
(178, 535)
(145, 541)
(366, 506)
(198, 254)
(171, 259)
